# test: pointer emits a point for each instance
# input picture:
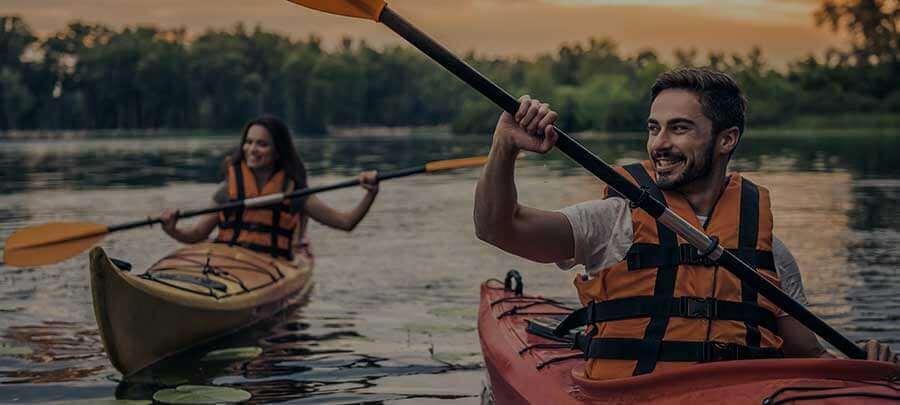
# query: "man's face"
(680, 141)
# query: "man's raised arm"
(542, 236)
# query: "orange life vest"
(664, 305)
(268, 229)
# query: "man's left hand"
(878, 351)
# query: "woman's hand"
(169, 218)
(369, 180)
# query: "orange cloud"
(784, 29)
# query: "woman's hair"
(287, 160)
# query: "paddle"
(56, 241)
(379, 11)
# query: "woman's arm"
(193, 234)
(344, 220)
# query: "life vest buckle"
(717, 351)
(693, 307)
(689, 255)
(640, 200)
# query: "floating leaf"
(108, 402)
(233, 354)
(201, 394)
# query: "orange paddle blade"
(51, 242)
(369, 9)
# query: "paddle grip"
(581, 155)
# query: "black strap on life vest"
(684, 307)
(258, 227)
(748, 232)
(234, 220)
(276, 228)
(666, 257)
(649, 347)
(670, 351)
(276, 221)
(241, 194)
(649, 255)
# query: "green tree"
(15, 98)
(15, 38)
(872, 24)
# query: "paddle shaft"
(269, 200)
(580, 154)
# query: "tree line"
(90, 76)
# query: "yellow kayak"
(194, 295)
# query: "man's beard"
(690, 173)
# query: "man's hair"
(720, 97)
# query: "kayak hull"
(143, 320)
(514, 378)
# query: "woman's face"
(259, 150)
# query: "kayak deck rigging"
(212, 274)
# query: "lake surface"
(392, 315)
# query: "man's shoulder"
(607, 216)
(603, 206)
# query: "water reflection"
(105, 163)
(110, 162)
(302, 359)
(393, 314)
(57, 351)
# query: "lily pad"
(233, 354)
(7, 349)
(201, 394)
(108, 402)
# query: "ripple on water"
(393, 315)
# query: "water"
(392, 315)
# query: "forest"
(89, 76)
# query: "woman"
(267, 163)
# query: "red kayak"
(524, 367)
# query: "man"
(653, 302)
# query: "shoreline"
(395, 132)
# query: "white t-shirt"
(603, 233)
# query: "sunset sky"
(784, 29)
